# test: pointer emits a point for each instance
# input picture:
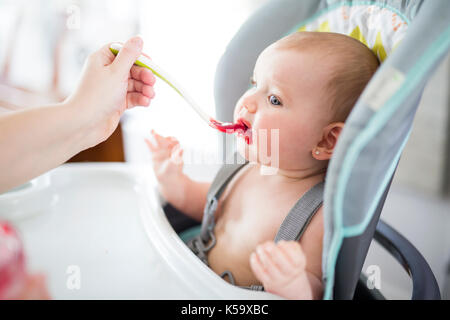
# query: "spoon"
(145, 62)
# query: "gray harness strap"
(298, 218)
(204, 242)
(292, 227)
(301, 214)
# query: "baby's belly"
(243, 222)
(224, 258)
(232, 251)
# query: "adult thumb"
(129, 53)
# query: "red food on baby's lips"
(227, 127)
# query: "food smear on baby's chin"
(247, 135)
(240, 128)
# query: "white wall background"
(186, 38)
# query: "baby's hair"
(348, 79)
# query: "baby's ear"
(330, 134)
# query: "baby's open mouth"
(241, 127)
(245, 130)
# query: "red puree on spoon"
(228, 127)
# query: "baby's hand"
(167, 158)
(281, 268)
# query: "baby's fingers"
(173, 140)
(258, 269)
(268, 261)
(294, 252)
(157, 143)
(279, 258)
(161, 141)
(177, 155)
(150, 145)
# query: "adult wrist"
(88, 127)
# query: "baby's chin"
(243, 148)
(249, 151)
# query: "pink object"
(240, 127)
(12, 263)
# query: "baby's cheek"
(236, 111)
(292, 142)
(280, 143)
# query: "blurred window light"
(187, 39)
(49, 40)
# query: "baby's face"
(287, 94)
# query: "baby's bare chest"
(253, 209)
(249, 213)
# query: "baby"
(304, 85)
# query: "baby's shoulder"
(311, 242)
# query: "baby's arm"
(281, 267)
(178, 189)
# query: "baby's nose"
(251, 107)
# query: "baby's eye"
(252, 81)
(274, 100)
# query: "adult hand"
(38, 139)
(109, 85)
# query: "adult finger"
(138, 86)
(126, 57)
(143, 74)
(137, 99)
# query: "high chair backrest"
(410, 38)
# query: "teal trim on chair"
(413, 78)
(190, 233)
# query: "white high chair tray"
(107, 233)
